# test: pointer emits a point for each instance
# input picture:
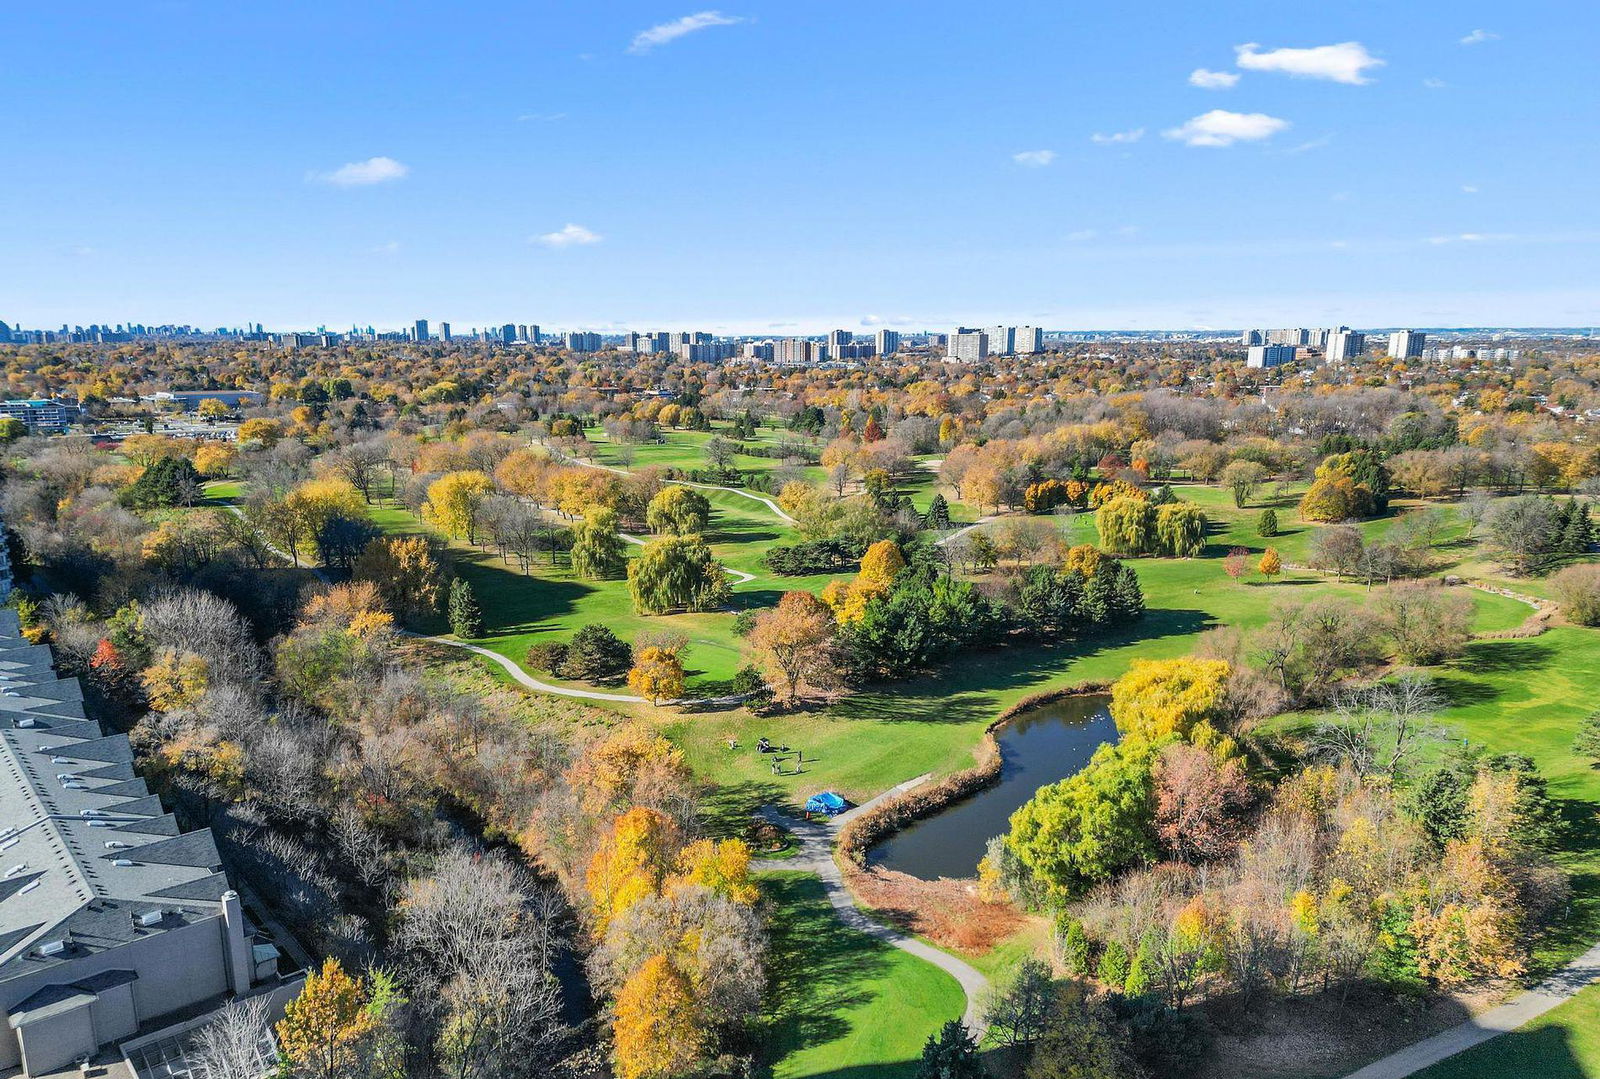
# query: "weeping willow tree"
(676, 573)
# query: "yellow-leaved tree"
(1158, 697)
(659, 1031)
(323, 1029)
(657, 674)
(633, 860)
(721, 867)
(454, 500)
(879, 567)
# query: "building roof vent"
(53, 947)
(150, 917)
(122, 862)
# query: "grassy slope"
(846, 1006)
(1563, 1044)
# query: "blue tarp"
(826, 802)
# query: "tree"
(674, 572)
(678, 511)
(11, 429)
(1126, 525)
(466, 619)
(1381, 729)
(1338, 548)
(406, 574)
(1427, 622)
(1180, 529)
(951, 1054)
(323, 1029)
(656, 674)
(1332, 498)
(169, 481)
(1242, 478)
(794, 641)
(1199, 804)
(266, 432)
(632, 862)
(236, 1044)
(1267, 523)
(1236, 564)
(937, 519)
(454, 500)
(1082, 1042)
(594, 653)
(1270, 565)
(657, 1033)
(1586, 743)
(597, 547)
(1017, 1012)
(1577, 590)
(1158, 697)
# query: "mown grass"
(1561, 1044)
(844, 1004)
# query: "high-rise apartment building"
(583, 342)
(1265, 356)
(888, 342)
(421, 330)
(968, 346)
(1252, 337)
(1028, 340)
(1002, 340)
(837, 340)
(1346, 345)
(508, 334)
(1406, 344)
(444, 331)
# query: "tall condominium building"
(420, 330)
(1029, 340)
(1345, 345)
(888, 342)
(1406, 344)
(759, 350)
(508, 334)
(968, 346)
(1295, 336)
(1269, 355)
(797, 352)
(534, 335)
(1252, 337)
(444, 331)
(583, 342)
(522, 331)
(1002, 340)
(837, 340)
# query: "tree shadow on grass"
(819, 967)
(1501, 656)
(1464, 691)
(726, 807)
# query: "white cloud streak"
(1346, 62)
(1034, 159)
(1213, 80)
(1220, 127)
(1478, 37)
(668, 32)
(568, 236)
(374, 170)
(1118, 137)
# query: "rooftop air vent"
(20, 867)
(122, 863)
(150, 917)
(25, 721)
(117, 844)
(28, 887)
(98, 823)
(90, 813)
(54, 947)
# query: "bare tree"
(1381, 728)
(237, 1044)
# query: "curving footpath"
(816, 856)
(1516, 1012)
(763, 499)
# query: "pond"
(1037, 748)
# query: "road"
(1519, 1010)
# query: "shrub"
(1577, 589)
(547, 656)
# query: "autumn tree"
(597, 547)
(1270, 565)
(678, 511)
(880, 565)
(633, 860)
(656, 674)
(1199, 804)
(454, 500)
(657, 1033)
(1236, 563)
(1158, 697)
(1243, 478)
(794, 641)
(1126, 525)
(676, 572)
(323, 1029)
(1180, 529)
(406, 573)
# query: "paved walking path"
(763, 499)
(1519, 1010)
(744, 578)
(816, 856)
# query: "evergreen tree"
(938, 516)
(1578, 533)
(1267, 523)
(951, 1054)
(466, 620)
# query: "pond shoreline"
(862, 833)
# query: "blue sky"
(776, 168)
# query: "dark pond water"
(1037, 748)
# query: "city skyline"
(845, 167)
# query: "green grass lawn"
(1561, 1044)
(845, 1006)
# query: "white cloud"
(569, 236)
(1435, 84)
(1034, 158)
(1219, 127)
(667, 32)
(390, 248)
(1478, 37)
(1213, 80)
(1469, 189)
(374, 170)
(1118, 137)
(1346, 62)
